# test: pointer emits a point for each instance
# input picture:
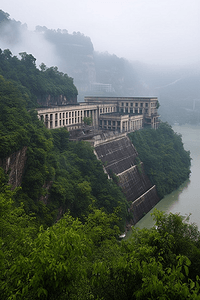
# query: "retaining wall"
(119, 156)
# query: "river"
(186, 199)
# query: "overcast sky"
(152, 31)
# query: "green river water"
(186, 199)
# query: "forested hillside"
(166, 162)
(75, 177)
(59, 231)
(40, 87)
(72, 260)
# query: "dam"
(119, 156)
(111, 118)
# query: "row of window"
(132, 110)
(69, 114)
(107, 110)
(109, 122)
(105, 122)
(136, 104)
(64, 122)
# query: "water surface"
(186, 199)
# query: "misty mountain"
(178, 90)
(94, 73)
(104, 74)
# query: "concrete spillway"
(119, 156)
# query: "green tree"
(87, 120)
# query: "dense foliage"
(33, 82)
(66, 173)
(165, 161)
(59, 231)
(72, 260)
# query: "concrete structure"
(132, 106)
(119, 156)
(122, 114)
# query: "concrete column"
(93, 118)
(53, 120)
(120, 126)
(46, 120)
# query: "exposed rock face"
(49, 100)
(14, 166)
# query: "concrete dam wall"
(118, 155)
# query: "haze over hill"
(154, 32)
(101, 73)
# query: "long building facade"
(122, 114)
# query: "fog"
(155, 32)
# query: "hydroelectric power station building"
(121, 114)
(112, 118)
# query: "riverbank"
(186, 199)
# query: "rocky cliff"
(14, 166)
(50, 100)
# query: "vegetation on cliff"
(166, 162)
(66, 174)
(76, 260)
(34, 83)
(80, 255)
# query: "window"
(60, 115)
(63, 115)
(141, 104)
(131, 104)
(66, 114)
(146, 104)
(70, 114)
(56, 117)
(126, 104)
(122, 103)
(105, 122)
(136, 104)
